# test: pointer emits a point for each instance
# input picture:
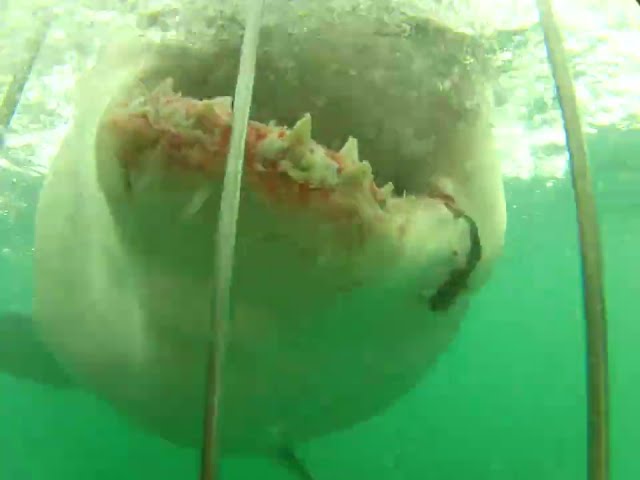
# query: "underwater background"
(507, 400)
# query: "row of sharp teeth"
(301, 135)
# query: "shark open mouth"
(158, 134)
(166, 132)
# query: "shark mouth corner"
(446, 295)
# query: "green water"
(506, 402)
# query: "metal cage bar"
(225, 242)
(590, 250)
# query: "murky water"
(506, 400)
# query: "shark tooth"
(301, 132)
(350, 151)
(223, 105)
(197, 201)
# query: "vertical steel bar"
(592, 283)
(16, 87)
(225, 242)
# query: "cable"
(225, 242)
(592, 283)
